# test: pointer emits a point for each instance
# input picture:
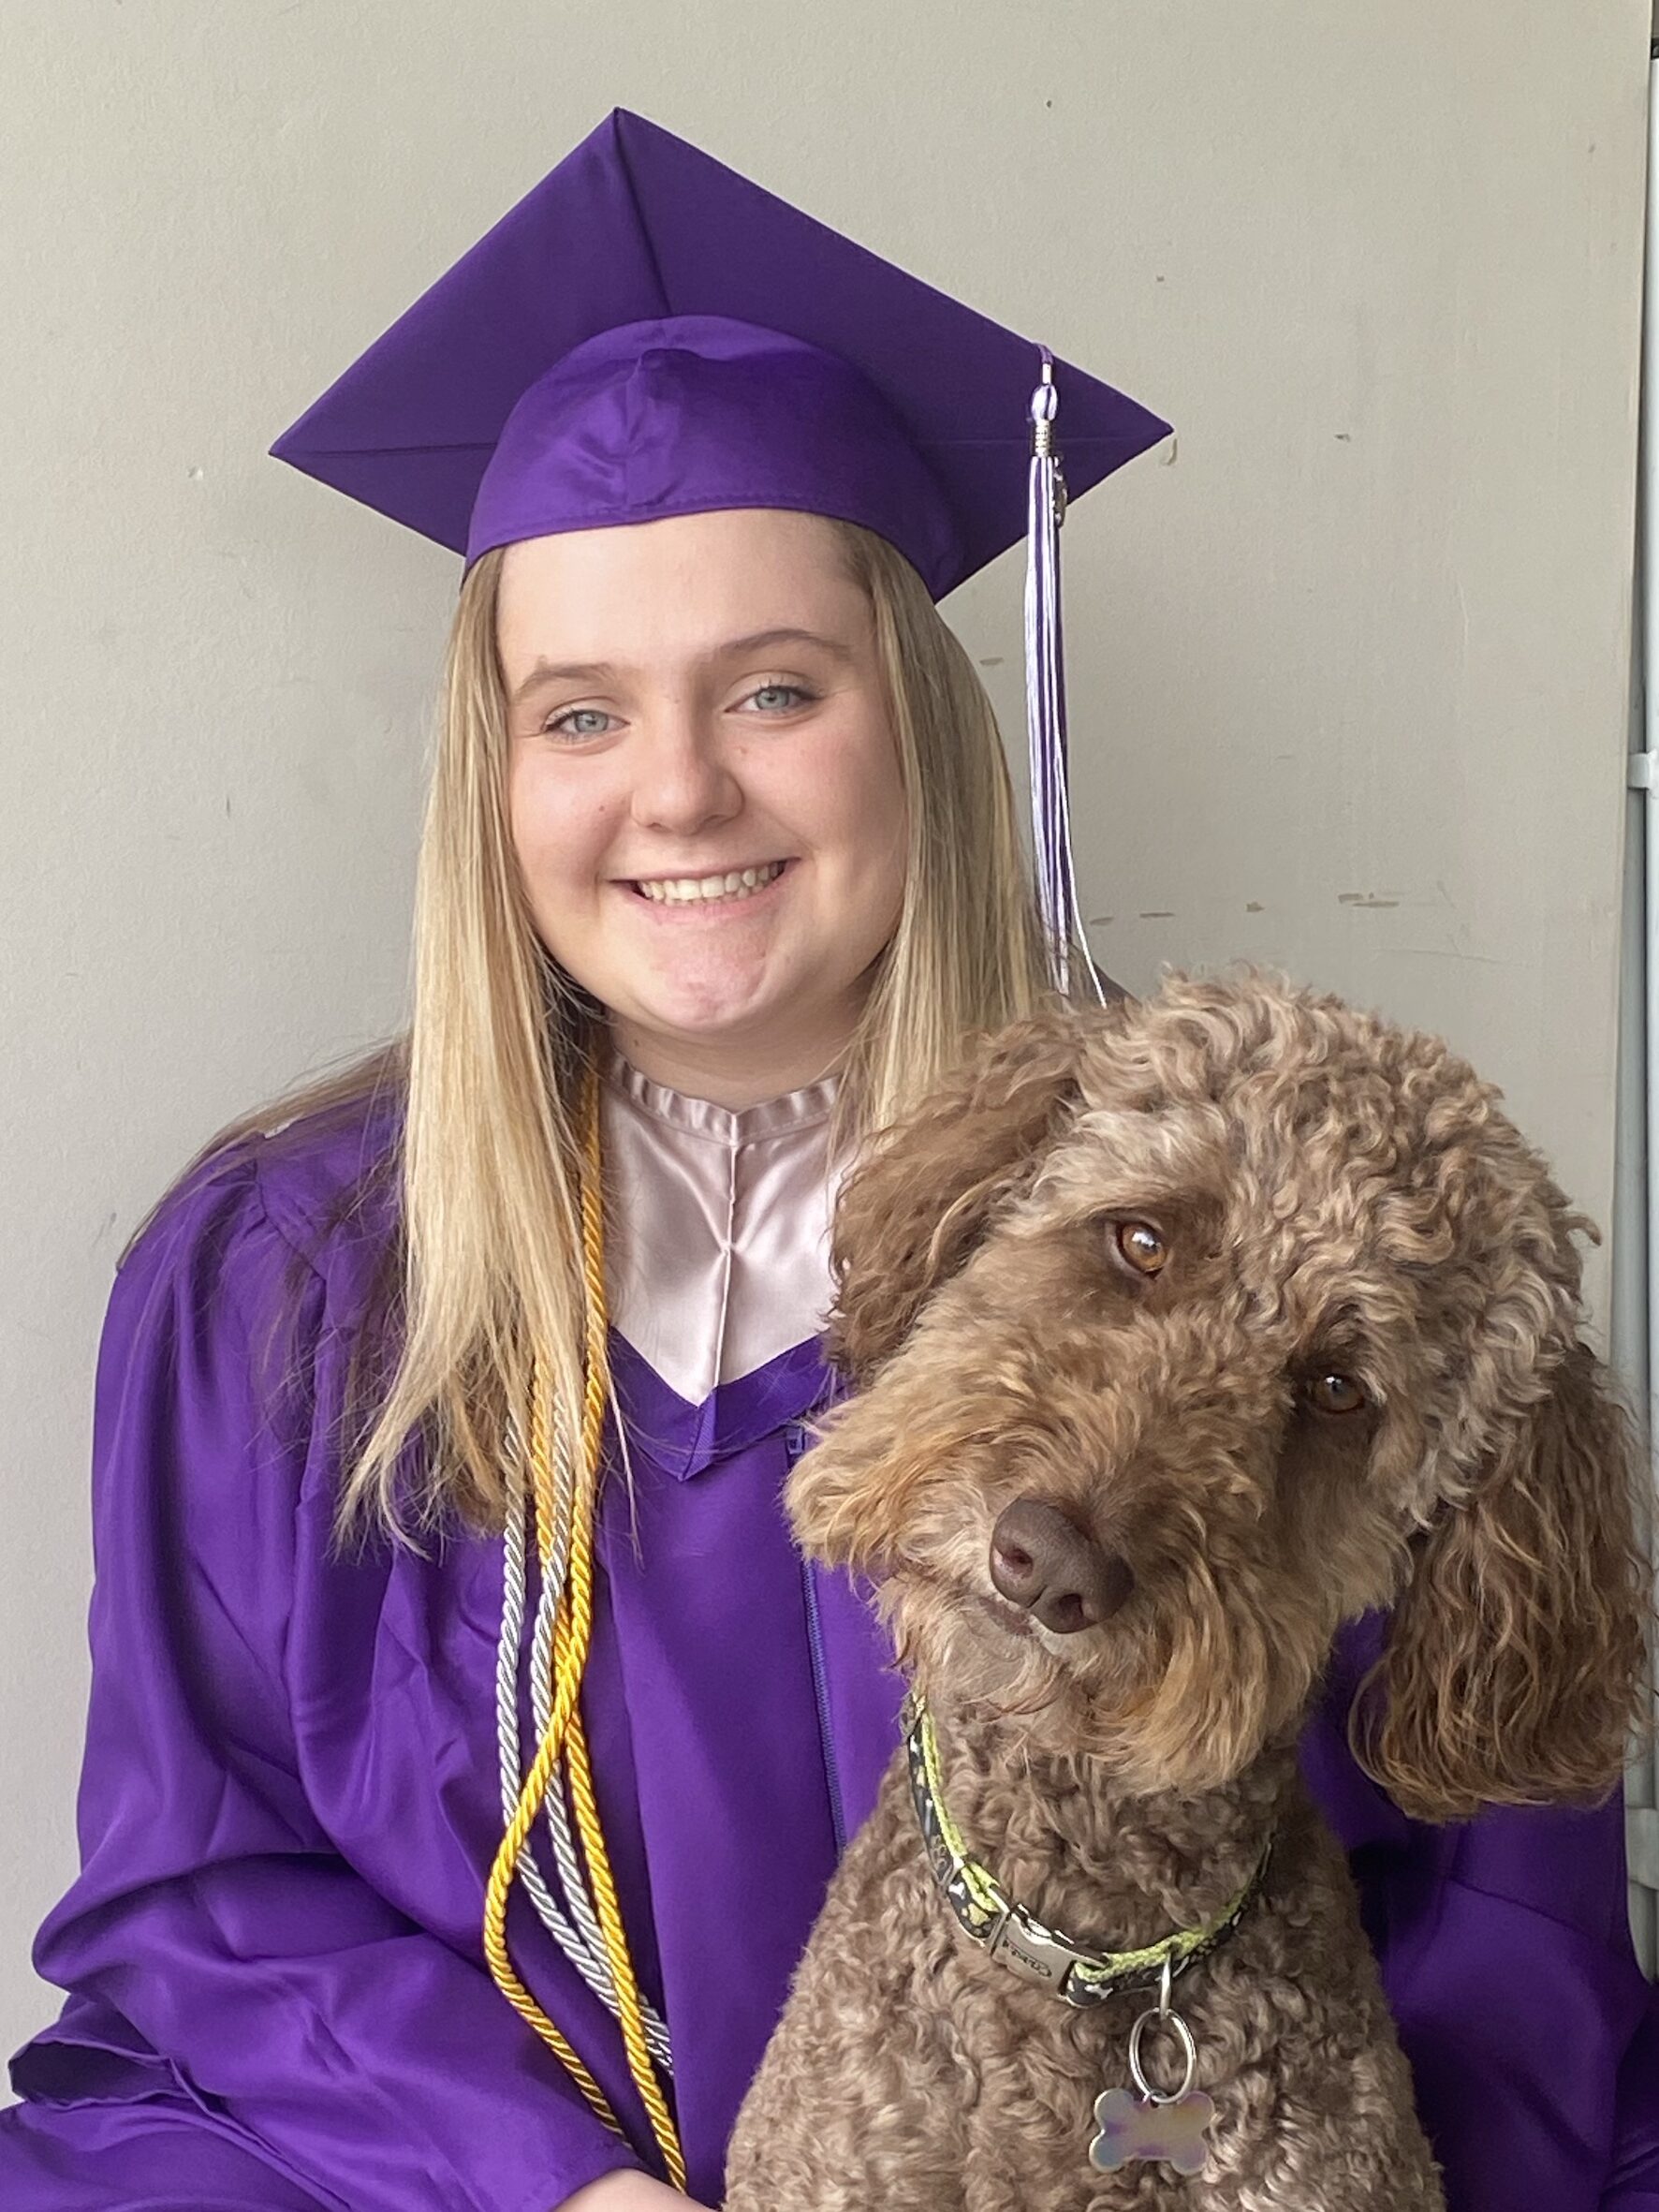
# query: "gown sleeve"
(1634, 2183)
(1506, 1951)
(214, 1928)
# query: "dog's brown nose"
(1041, 1559)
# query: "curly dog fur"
(1333, 1197)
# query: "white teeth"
(671, 890)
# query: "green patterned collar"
(1006, 1930)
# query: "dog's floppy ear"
(1511, 1673)
(913, 1208)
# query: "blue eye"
(782, 698)
(579, 723)
(564, 725)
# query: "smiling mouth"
(729, 887)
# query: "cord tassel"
(1045, 701)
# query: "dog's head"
(1186, 1331)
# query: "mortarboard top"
(851, 389)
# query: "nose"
(1042, 1560)
(682, 783)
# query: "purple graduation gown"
(278, 1996)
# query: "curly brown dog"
(1185, 1332)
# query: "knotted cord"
(583, 1943)
(564, 1497)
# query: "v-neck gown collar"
(717, 1263)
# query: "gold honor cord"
(572, 1632)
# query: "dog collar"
(989, 1918)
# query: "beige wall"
(1348, 676)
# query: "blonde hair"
(489, 1251)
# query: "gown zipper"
(796, 1441)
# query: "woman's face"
(703, 788)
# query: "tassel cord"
(1058, 907)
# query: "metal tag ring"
(1189, 2051)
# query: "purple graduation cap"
(647, 334)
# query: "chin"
(695, 1032)
(972, 1653)
(1102, 1694)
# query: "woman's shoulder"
(327, 1180)
(224, 1366)
(264, 1211)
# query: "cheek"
(558, 825)
(1337, 1531)
(850, 794)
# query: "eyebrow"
(600, 672)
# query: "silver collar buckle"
(1034, 1955)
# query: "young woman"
(375, 1911)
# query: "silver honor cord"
(578, 1935)
(541, 1697)
(1045, 698)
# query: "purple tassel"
(1044, 698)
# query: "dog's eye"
(1335, 1393)
(1143, 1246)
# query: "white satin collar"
(717, 1251)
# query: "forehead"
(645, 592)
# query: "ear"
(912, 1209)
(1511, 1673)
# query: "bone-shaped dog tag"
(1167, 2129)
(1172, 2135)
